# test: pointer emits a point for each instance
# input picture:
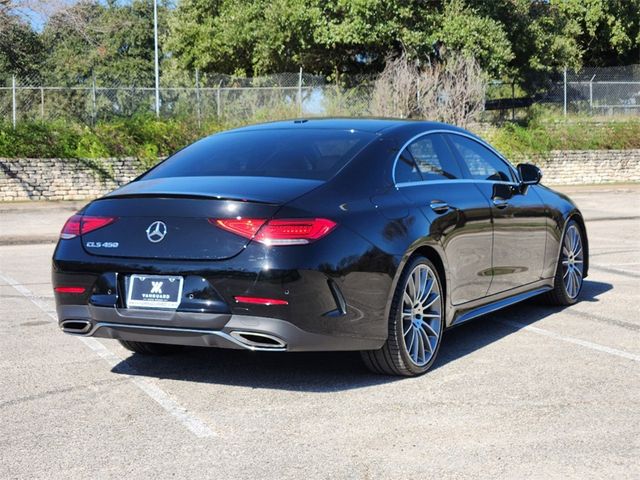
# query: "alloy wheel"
(421, 315)
(572, 261)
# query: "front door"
(519, 216)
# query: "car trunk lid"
(165, 219)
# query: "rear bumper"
(203, 330)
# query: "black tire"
(145, 348)
(559, 295)
(393, 358)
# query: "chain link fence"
(201, 98)
(597, 91)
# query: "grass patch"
(147, 138)
(537, 137)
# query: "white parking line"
(575, 341)
(195, 425)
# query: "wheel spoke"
(574, 283)
(425, 340)
(407, 331)
(427, 291)
(567, 242)
(430, 329)
(411, 287)
(423, 282)
(407, 300)
(421, 352)
(414, 345)
(431, 302)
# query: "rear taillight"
(81, 224)
(245, 227)
(295, 231)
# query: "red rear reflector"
(81, 224)
(261, 301)
(295, 231)
(69, 289)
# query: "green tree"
(326, 37)
(243, 37)
(606, 31)
(112, 42)
(21, 49)
(463, 28)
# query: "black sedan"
(327, 234)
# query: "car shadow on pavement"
(478, 333)
(329, 371)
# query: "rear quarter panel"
(560, 209)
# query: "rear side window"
(481, 162)
(406, 169)
(306, 153)
(427, 158)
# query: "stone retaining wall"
(74, 179)
(576, 167)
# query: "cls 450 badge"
(102, 244)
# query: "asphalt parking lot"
(528, 392)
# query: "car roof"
(373, 125)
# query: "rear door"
(519, 215)
(429, 176)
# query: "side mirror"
(529, 174)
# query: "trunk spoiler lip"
(207, 196)
(263, 190)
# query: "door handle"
(439, 206)
(500, 202)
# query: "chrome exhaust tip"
(77, 327)
(259, 340)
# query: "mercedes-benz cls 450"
(327, 234)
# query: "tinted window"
(433, 158)
(481, 162)
(312, 154)
(406, 169)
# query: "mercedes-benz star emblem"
(156, 231)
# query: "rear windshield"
(311, 154)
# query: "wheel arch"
(434, 254)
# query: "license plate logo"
(154, 291)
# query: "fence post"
(218, 109)
(591, 93)
(565, 92)
(94, 103)
(199, 112)
(155, 57)
(13, 100)
(42, 102)
(300, 92)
